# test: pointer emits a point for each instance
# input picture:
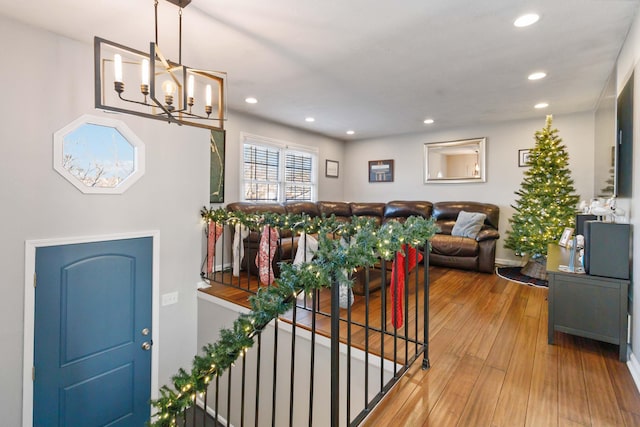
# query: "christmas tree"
(546, 203)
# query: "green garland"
(368, 243)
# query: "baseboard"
(634, 368)
(212, 413)
(503, 262)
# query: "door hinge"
(33, 373)
(34, 280)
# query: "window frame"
(283, 148)
(138, 157)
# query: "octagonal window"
(98, 155)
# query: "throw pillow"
(468, 224)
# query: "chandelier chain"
(155, 5)
(180, 36)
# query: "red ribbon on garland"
(397, 287)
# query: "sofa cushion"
(368, 210)
(401, 210)
(449, 211)
(468, 224)
(459, 246)
(339, 209)
(299, 208)
(251, 207)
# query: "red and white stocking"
(266, 252)
(215, 231)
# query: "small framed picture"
(566, 236)
(331, 169)
(523, 157)
(381, 171)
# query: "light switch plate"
(170, 298)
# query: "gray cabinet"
(587, 306)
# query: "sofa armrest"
(487, 234)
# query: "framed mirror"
(454, 162)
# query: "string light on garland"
(368, 240)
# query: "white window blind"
(298, 176)
(273, 172)
(261, 173)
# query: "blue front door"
(93, 333)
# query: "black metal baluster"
(229, 396)
(349, 301)
(335, 352)
(204, 406)
(242, 389)
(383, 318)
(313, 356)
(417, 283)
(246, 259)
(217, 404)
(394, 289)
(425, 361)
(366, 338)
(405, 287)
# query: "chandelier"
(158, 88)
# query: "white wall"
(626, 64)
(503, 174)
(49, 84)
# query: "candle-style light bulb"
(169, 89)
(190, 89)
(208, 98)
(145, 72)
(190, 86)
(117, 67)
(144, 81)
(118, 84)
(207, 107)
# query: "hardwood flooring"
(491, 364)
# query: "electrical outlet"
(170, 298)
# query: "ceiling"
(376, 67)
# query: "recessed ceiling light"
(309, 119)
(526, 20)
(428, 121)
(537, 75)
(541, 105)
(350, 132)
(251, 100)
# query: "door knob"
(146, 345)
(145, 331)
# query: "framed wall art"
(332, 169)
(381, 171)
(523, 157)
(216, 175)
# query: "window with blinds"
(275, 174)
(261, 173)
(297, 172)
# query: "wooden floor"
(491, 364)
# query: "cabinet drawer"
(589, 308)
